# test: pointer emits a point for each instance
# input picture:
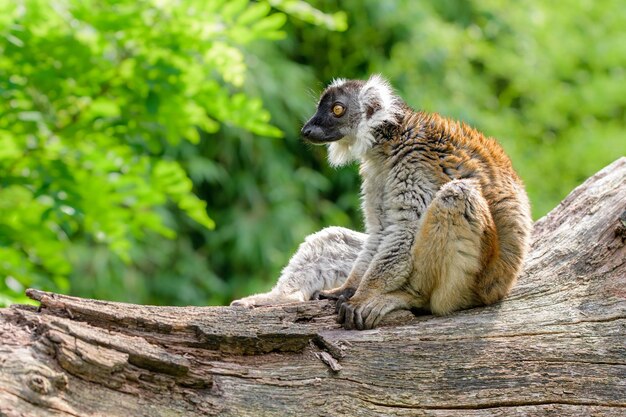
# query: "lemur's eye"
(338, 110)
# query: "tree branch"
(556, 344)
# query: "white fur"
(322, 262)
(340, 152)
(353, 147)
(337, 82)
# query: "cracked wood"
(555, 346)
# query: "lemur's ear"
(377, 99)
(372, 107)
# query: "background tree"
(116, 115)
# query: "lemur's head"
(347, 115)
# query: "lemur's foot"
(366, 312)
(361, 314)
(269, 298)
(243, 303)
(340, 294)
(336, 293)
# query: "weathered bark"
(555, 346)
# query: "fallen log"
(555, 346)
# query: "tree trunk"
(555, 346)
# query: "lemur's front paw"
(335, 293)
(348, 314)
(360, 314)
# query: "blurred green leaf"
(9, 148)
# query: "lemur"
(447, 218)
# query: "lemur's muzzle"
(316, 135)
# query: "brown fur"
(454, 150)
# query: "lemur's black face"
(338, 113)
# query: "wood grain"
(556, 346)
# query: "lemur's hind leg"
(457, 239)
(322, 261)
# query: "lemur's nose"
(306, 130)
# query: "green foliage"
(122, 123)
(96, 100)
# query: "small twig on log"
(329, 360)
